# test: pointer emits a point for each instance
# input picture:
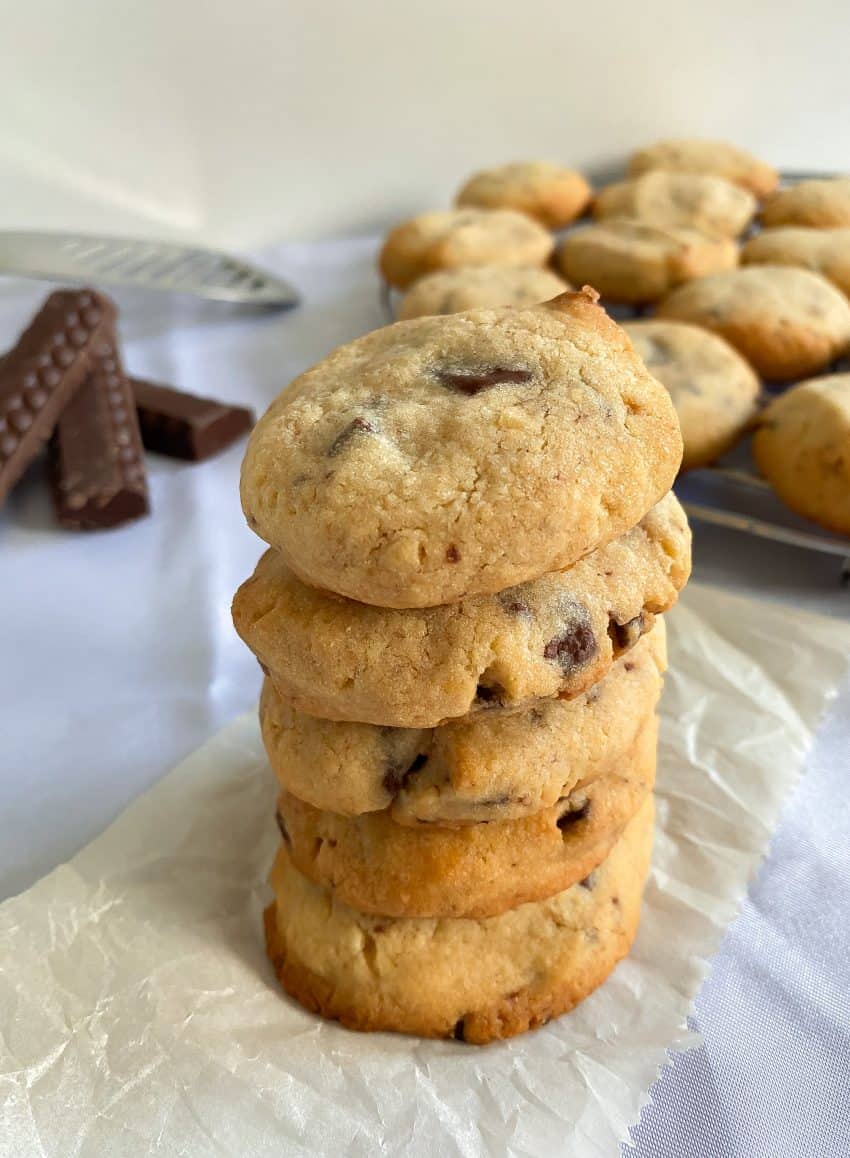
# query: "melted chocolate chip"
(572, 648)
(589, 881)
(489, 695)
(457, 1032)
(283, 831)
(513, 605)
(452, 554)
(573, 816)
(396, 778)
(471, 383)
(625, 635)
(357, 426)
(628, 666)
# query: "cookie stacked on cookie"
(471, 539)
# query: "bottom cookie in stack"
(477, 980)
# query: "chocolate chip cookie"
(450, 291)
(449, 456)
(633, 262)
(456, 237)
(786, 322)
(474, 980)
(820, 204)
(714, 390)
(694, 200)
(549, 193)
(378, 866)
(555, 636)
(690, 155)
(824, 251)
(802, 447)
(488, 766)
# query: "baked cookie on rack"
(802, 447)
(786, 322)
(693, 155)
(415, 668)
(457, 237)
(448, 456)
(450, 291)
(698, 201)
(551, 194)
(476, 980)
(823, 251)
(823, 203)
(487, 766)
(715, 391)
(636, 263)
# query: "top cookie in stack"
(448, 457)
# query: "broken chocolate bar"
(42, 372)
(185, 425)
(97, 467)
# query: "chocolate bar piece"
(97, 468)
(42, 372)
(185, 425)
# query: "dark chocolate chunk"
(452, 554)
(458, 1031)
(626, 635)
(97, 469)
(572, 816)
(589, 881)
(515, 606)
(572, 648)
(356, 426)
(396, 779)
(186, 426)
(473, 382)
(42, 372)
(491, 695)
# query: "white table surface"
(117, 658)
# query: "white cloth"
(117, 658)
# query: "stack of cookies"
(471, 538)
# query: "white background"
(265, 120)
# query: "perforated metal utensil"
(153, 265)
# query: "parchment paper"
(138, 1015)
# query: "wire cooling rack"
(729, 493)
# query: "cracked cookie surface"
(415, 668)
(378, 866)
(489, 766)
(452, 456)
(474, 980)
(715, 391)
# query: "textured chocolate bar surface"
(185, 425)
(41, 373)
(97, 466)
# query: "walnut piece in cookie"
(449, 456)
